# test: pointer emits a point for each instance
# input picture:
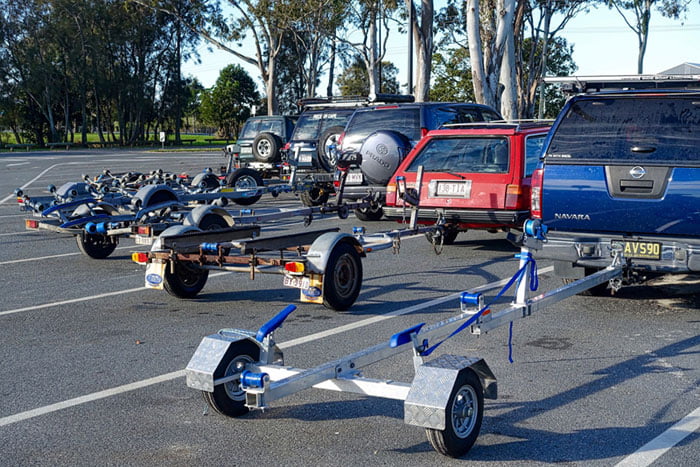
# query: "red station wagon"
(475, 175)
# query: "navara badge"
(637, 172)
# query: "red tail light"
(339, 143)
(286, 147)
(513, 194)
(536, 194)
(423, 132)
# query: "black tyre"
(96, 246)
(465, 413)
(212, 221)
(185, 280)
(343, 277)
(600, 290)
(245, 179)
(326, 157)
(228, 398)
(371, 213)
(316, 196)
(266, 147)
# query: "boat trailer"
(238, 370)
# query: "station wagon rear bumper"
(487, 217)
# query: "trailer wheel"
(245, 179)
(185, 281)
(465, 412)
(371, 213)
(343, 277)
(228, 398)
(212, 221)
(96, 246)
(316, 196)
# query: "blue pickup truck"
(620, 170)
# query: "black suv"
(378, 137)
(261, 139)
(310, 151)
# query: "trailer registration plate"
(154, 275)
(298, 282)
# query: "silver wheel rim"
(264, 148)
(236, 367)
(464, 411)
(246, 182)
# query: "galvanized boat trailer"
(238, 370)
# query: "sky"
(603, 45)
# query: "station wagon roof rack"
(587, 84)
(359, 101)
(516, 125)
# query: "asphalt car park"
(92, 362)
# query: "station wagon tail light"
(513, 194)
(536, 194)
(31, 224)
(391, 188)
(140, 257)
(294, 267)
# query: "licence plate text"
(641, 250)
(296, 282)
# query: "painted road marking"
(665, 441)
(179, 374)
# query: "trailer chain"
(396, 245)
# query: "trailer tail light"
(143, 230)
(513, 195)
(140, 258)
(31, 224)
(536, 194)
(294, 267)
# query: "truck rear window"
(629, 130)
(463, 155)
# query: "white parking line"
(26, 260)
(658, 446)
(178, 374)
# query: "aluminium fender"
(73, 189)
(197, 214)
(172, 230)
(149, 195)
(85, 210)
(320, 250)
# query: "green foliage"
(354, 80)
(452, 77)
(228, 104)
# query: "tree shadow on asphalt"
(526, 444)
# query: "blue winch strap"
(529, 261)
(510, 343)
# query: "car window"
(249, 130)
(621, 129)
(533, 151)
(463, 155)
(403, 120)
(271, 126)
(311, 124)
